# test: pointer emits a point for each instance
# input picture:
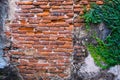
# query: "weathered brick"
(29, 51)
(43, 14)
(99, 2)
(23, 11)
(33, 21)
(42, 0)
(42, 25)
(39, 3)
(56, 3)
(26, 15)
(50, 32)
(42, 64)
(44, 7)
(58, 24)
(36, 10)
(23, 62)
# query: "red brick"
(31, 39)
(33, 21)
(23, 11)
(68, 3)
(30, 34)
(42, 0)
(16, 53)
(59, 24)
(55, 7)
(57, 28)
(70, 14)
(23, 62)
(44, 7)
(23, 22)
(42, 25)
(45, 53)
(45, 21)
(26, 15)
(55, 3)
(15, 25)
(60, 50)
(44, 28)
(66, 46)
(24, 3)
(44, 42)
(42, 64)
(38, 46)
(60, 42)
(26, 42)
(53, 43)
(21, 67)
(49, 32)
(85, 2)
(65, 39)
(46, 39)
(71, 27)
(57, 0)
(63, 75)
(27, 45)
(27, 6)
(26, 29)
(51, 46)
(99, 2)
(54, 17)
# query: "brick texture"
(42, 36)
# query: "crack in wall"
(3, 39)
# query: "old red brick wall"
(41, 35)
(42, 38)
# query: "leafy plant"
(106, 53)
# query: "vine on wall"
(107, 52)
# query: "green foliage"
(106, 53)
(99, 60)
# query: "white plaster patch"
(91, 67)
(116, 71)
(88, 69)
(12, 8)
(3, 63)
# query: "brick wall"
(42, 42)
(41, 35)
